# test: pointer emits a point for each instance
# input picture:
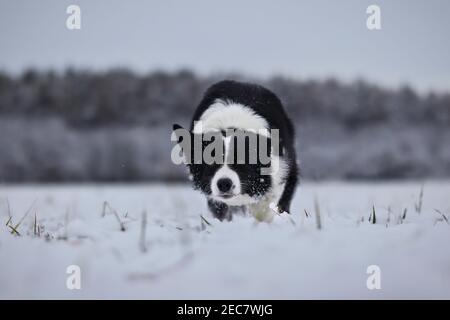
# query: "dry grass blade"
(318, 217)
(25, 215)
(306, 213)
(292, 221)
(35, 224)
(373, 216)
(7, 222)
(205, 221)
(404, 213)
(14, 230)
(444, 217)
(66, 224)
(142, 241)
(418, 205)
(111, 209)
(65, 236)
(105, 204)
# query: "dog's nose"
(224, 184)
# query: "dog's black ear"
(176, 126)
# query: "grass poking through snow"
(106, 205)
(204, 223)
(418, 205)
(317, 211)
(373, 216)
(443, 216)
(143, 241)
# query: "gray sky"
(301, 39)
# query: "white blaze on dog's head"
(222, 115)
(226, 184)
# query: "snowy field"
(173, 253)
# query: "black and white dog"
(233, 182)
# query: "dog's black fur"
(266, 105)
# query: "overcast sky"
(301, 39)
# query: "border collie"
(232, 183)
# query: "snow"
(185, 257)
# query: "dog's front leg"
(219, 210)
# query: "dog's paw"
(277, 209)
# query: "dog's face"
(235, 165)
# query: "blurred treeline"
(115, 126)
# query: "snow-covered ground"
(183, 257)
